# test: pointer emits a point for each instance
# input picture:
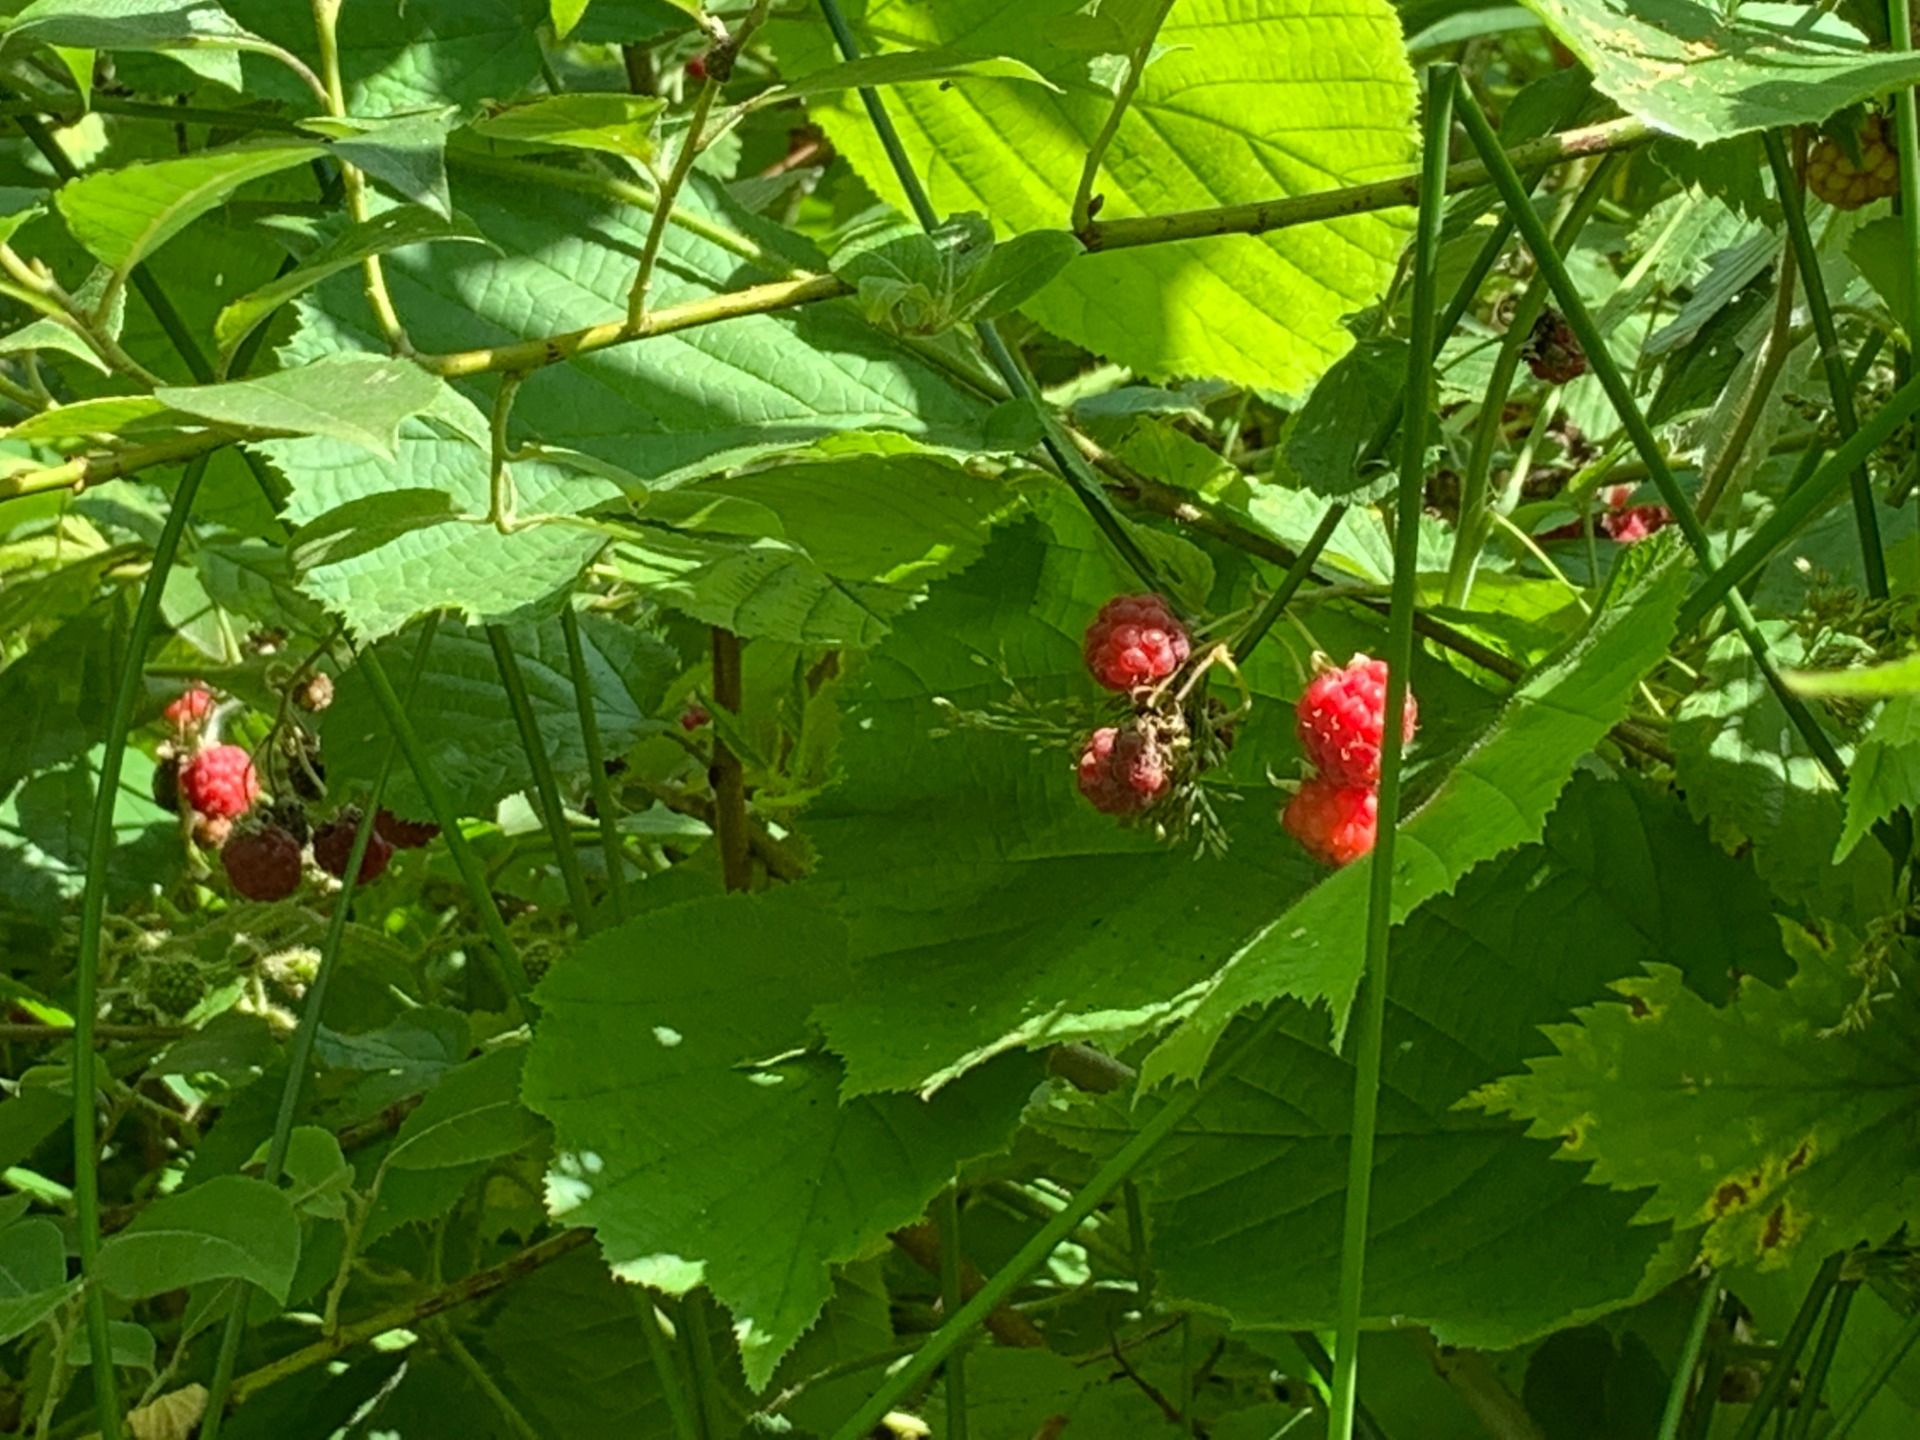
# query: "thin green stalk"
(546, 787)
(959, 1327)
(609, 822)
(1689, 1357)
(1778, 345)
(93, 912)
(696, 1336)
(300, 1051)
(511, 973)
(1475, 524)
(665, 1370)
(1906, 126)
(1065, 455)
(1308, 1344)
(1138, 1248)
(1780, 1372)
(1815, 1381)
(1635, 424)
(1848, 1415)
(1441, 88)
(484, 1382)
(1295, 577)
(952, 1297)
(1082, 211)
(1839, 384)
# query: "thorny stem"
(1081, 214)
(326, 20)
(93, 908)
(719, 70)
(1442, 83)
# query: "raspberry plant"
(722, 486)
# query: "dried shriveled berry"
(1134, 641)
(314, 693)
(1333, 822)
(1124, 770)
(404, 834)
(1552, 351)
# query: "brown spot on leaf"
(1776, 1229)
(1799, 1158)
(1638, 1007)
(1730, 1196)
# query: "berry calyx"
(1342, 718)
(404, 834)
(190, 708)
(333, 848)
(1134, 641)
(220, 782)
(262, 863)
(1123, 770)
(1334, 823)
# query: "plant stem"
(1823, 1351)
(483, 1381)
(1441, 86)
(326, 21)
(958, 1327)
(725, 772)
(664, 1368)
(1778, 346)
(1474, 524)
(1635, 424)
(696, 1338)
(1081, 213)
(609, 822)
(501, 506)
(1780, 1371)
(950, 1302)
(1832, 360)
(546, 787)
(1249, 639)
(1689, 1357)
(1906, 125)
(510, 972)
(93, 911)
(1364, 1425)
(1848, 1415)
(300, 1051)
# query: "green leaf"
(133, 1346)
(318, 1174)
(1494, 798)
(405, 152)
(122, 216)
(33, 1275)
(566, 14)
(835, 555)
(1757, 1121)
(468, 729)
(1886, 771)
(229, 1227)
(197, 33)
(1703, 73)
(1236, 110)
(473, 1113)
(1325, 438)
(906, 67)
(665, 1082)
(394, 230)
(355, 399)
(617, 124)
(1867, 682)
(1472, 1215)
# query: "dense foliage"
(694, 719)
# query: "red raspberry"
(220, 782)
(190, 708)
(1635, 523)
(694, 716)
(333, 847)
(263, 863)
(1135, 640)
(1334, 822)
(403, 834)
(1122, 772)
(697, 68)
(1342, 720)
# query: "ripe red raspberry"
(263, 863)
(1122, 771)
(1635, 523)
(697, 69)
(404, 834)
(1334, 822)
(1135, 640)
(1342, 720)
(190, 707)
(694, 716)
(220, 782)
(333, 848)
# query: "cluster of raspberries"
(262, 847)
(1620, 522)
(1342, 721)
(1135, 642)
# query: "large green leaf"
(122, 216)
(1495, 796)
(197, 33)
(1249, 100)
(230, 1227)
(1471, 1217)
(1705, 72)
(701, 1137)
(463, 718)
(472, 1113)
(33, 1275)
(990, 907)
(1757, 1121)
(356, 400)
